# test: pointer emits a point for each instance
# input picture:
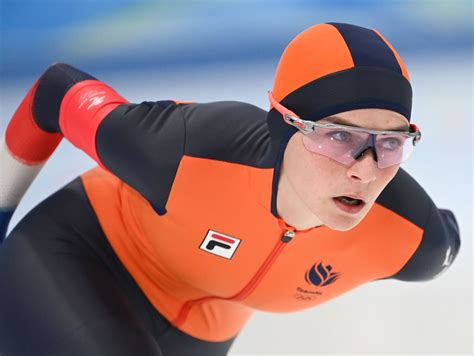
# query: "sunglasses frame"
(307, 127)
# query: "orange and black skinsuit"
(185, 194)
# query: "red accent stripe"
(83, 108)
(25, 140)
(250, 287)
(222, 238)
(244, 293)
(180, 102)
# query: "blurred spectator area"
(125, 34)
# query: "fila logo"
(220, 244)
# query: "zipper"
(250, 287)
(288, 235)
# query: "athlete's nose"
(365, 168)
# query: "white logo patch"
(448, 259)
(92, 98)
(96, 100)
(220, 244)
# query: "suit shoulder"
(407, 198)
(230, 131)
(440, 241)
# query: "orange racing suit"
(186, 195)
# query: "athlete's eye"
(391, 143)
(340, 136)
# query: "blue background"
(112, 35)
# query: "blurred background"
(228, 50)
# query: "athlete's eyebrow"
(341, 121)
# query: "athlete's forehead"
(378, 119)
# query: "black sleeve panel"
(440, 242)
(142, 144)
(52, 87)
(230, 131)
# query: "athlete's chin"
(343, 226)
(345, 221)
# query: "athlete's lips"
(349, 208)
(353, 196)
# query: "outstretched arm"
(440, 242)
(133, 141)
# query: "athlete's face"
(309, 182)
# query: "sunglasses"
(346, 144)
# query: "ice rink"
(393, 317)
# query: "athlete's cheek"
(384, 177)
(388, 174)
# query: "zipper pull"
(288, 236)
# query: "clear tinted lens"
(343, 146)
(337, 144)
(393, 149)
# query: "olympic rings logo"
(305, 298)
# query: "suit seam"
(428, 219)
(185, 129)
